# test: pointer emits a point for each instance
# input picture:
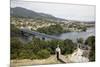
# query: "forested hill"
(23, 12)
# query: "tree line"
(52, 30)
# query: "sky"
(65, 11)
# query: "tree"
(52, 45)
(15, 32)
(80, 40)
(53, 29)
(91, 42)
(84, 28)
(16, 45)
(69, 46)
(42, 54)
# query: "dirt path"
(50, 60)
(77, 56)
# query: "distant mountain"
(23, 12)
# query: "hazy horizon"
(64, 11)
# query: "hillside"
(23, 12)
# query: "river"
(75, 35)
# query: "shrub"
(42, 54)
